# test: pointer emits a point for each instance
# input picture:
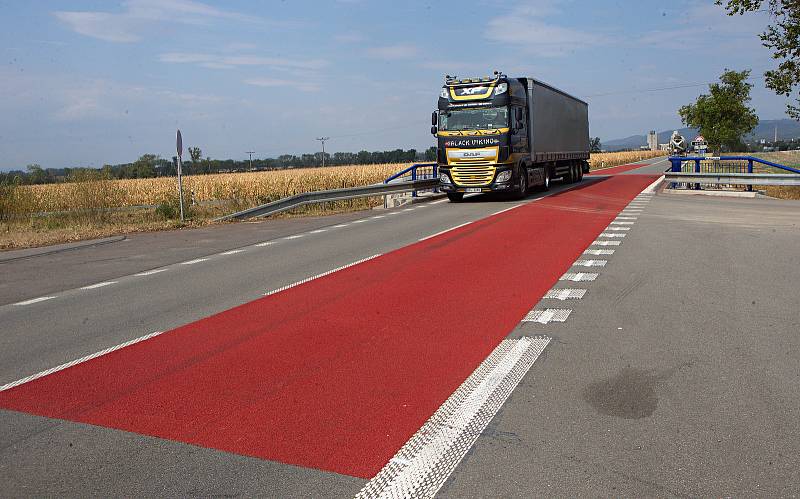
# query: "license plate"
(473, 189)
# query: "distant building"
(652, 140)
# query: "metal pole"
(323, 139)
(251, 158)
(180, 186)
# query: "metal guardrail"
(736, 168)
(305, 198)
(417, 171)
(733, 178)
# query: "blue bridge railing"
(724, 164)
(417, 171)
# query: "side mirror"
(434, 130)
(434, 118)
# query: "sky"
(87, 83)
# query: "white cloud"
(276, 82)
(393, 52)
(218, 61)
(527, 27)
(138, 16)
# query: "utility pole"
(323, 139)
(251, 158)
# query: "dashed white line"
(318, 231)
(340, 226)
(359, 221)
(548, 315)
(409, 209)
(99, 285)
(611, 234)
(35, 300)
(76, 361)
(627, 218)
(196, 260)
(618, 229)
(376, 217)
(232, 252)
(565, 294)
(590, 263)
(579, 276)
(150, 272)
(265, 243)
(616, 222)
(296, 236)
(606, 243)
(598, 252)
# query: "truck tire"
(522, 183)
(546, 184)
(580, 172)
(455, 197)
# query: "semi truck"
(502, 134)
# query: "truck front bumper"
(493, 186)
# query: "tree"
(783, 37)
(36, 175)
(594, 145)
(145, 166)
(196, 154)
(723, 116)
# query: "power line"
(659, 89)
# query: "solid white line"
(440, 201)
(150, 272)
(52, 370)
(35, 300)
(99, 285)
(307, 279)
(446, 230)
(508, 209)
(423, 464)
(376, 217)
(196, 260)
(652, 187)
(393, 213)
(232, 252)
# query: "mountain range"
(787, 129)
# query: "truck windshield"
(485, 118)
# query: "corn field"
(608, 159)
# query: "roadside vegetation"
(92, 204)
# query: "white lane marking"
(328, 272)
(590, 263)
(424, 463)
(376, 217)
(99, 285)
(598, 252)
(627, 218)
(652, 187)
(150, 272)
(318, 231)
(440, 201)
(508, 209)
(606, 243)
(618, 229)
(409, 209)
(35, 300)
(394, 213)
(196, 260)
(630, 211)
(548, 315)
(340, 226)
(232, 252)
(565, 294)
(52, 370)
(617, 222)
(611, 234)
(446, 230)
(359, 221)
(296, 236)
(265, 243)
(579, 276)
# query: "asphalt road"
(686, 271)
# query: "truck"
(503, 134)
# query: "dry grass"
(602, 160)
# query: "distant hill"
(787, 129)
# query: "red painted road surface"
(615, 169)
(338, 373)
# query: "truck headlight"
(444, 178)
(443, 93)
(501, 88)
(503, 176)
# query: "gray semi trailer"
(502, 134)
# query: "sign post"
(179, 147)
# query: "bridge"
(608, 338)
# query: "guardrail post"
(414, 177)
(697, 170)
(436, 174)
(750, 170)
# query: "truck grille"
(472, 175)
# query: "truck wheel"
(522, 183)
(455, 197)
(546, 184)
(579, 168)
